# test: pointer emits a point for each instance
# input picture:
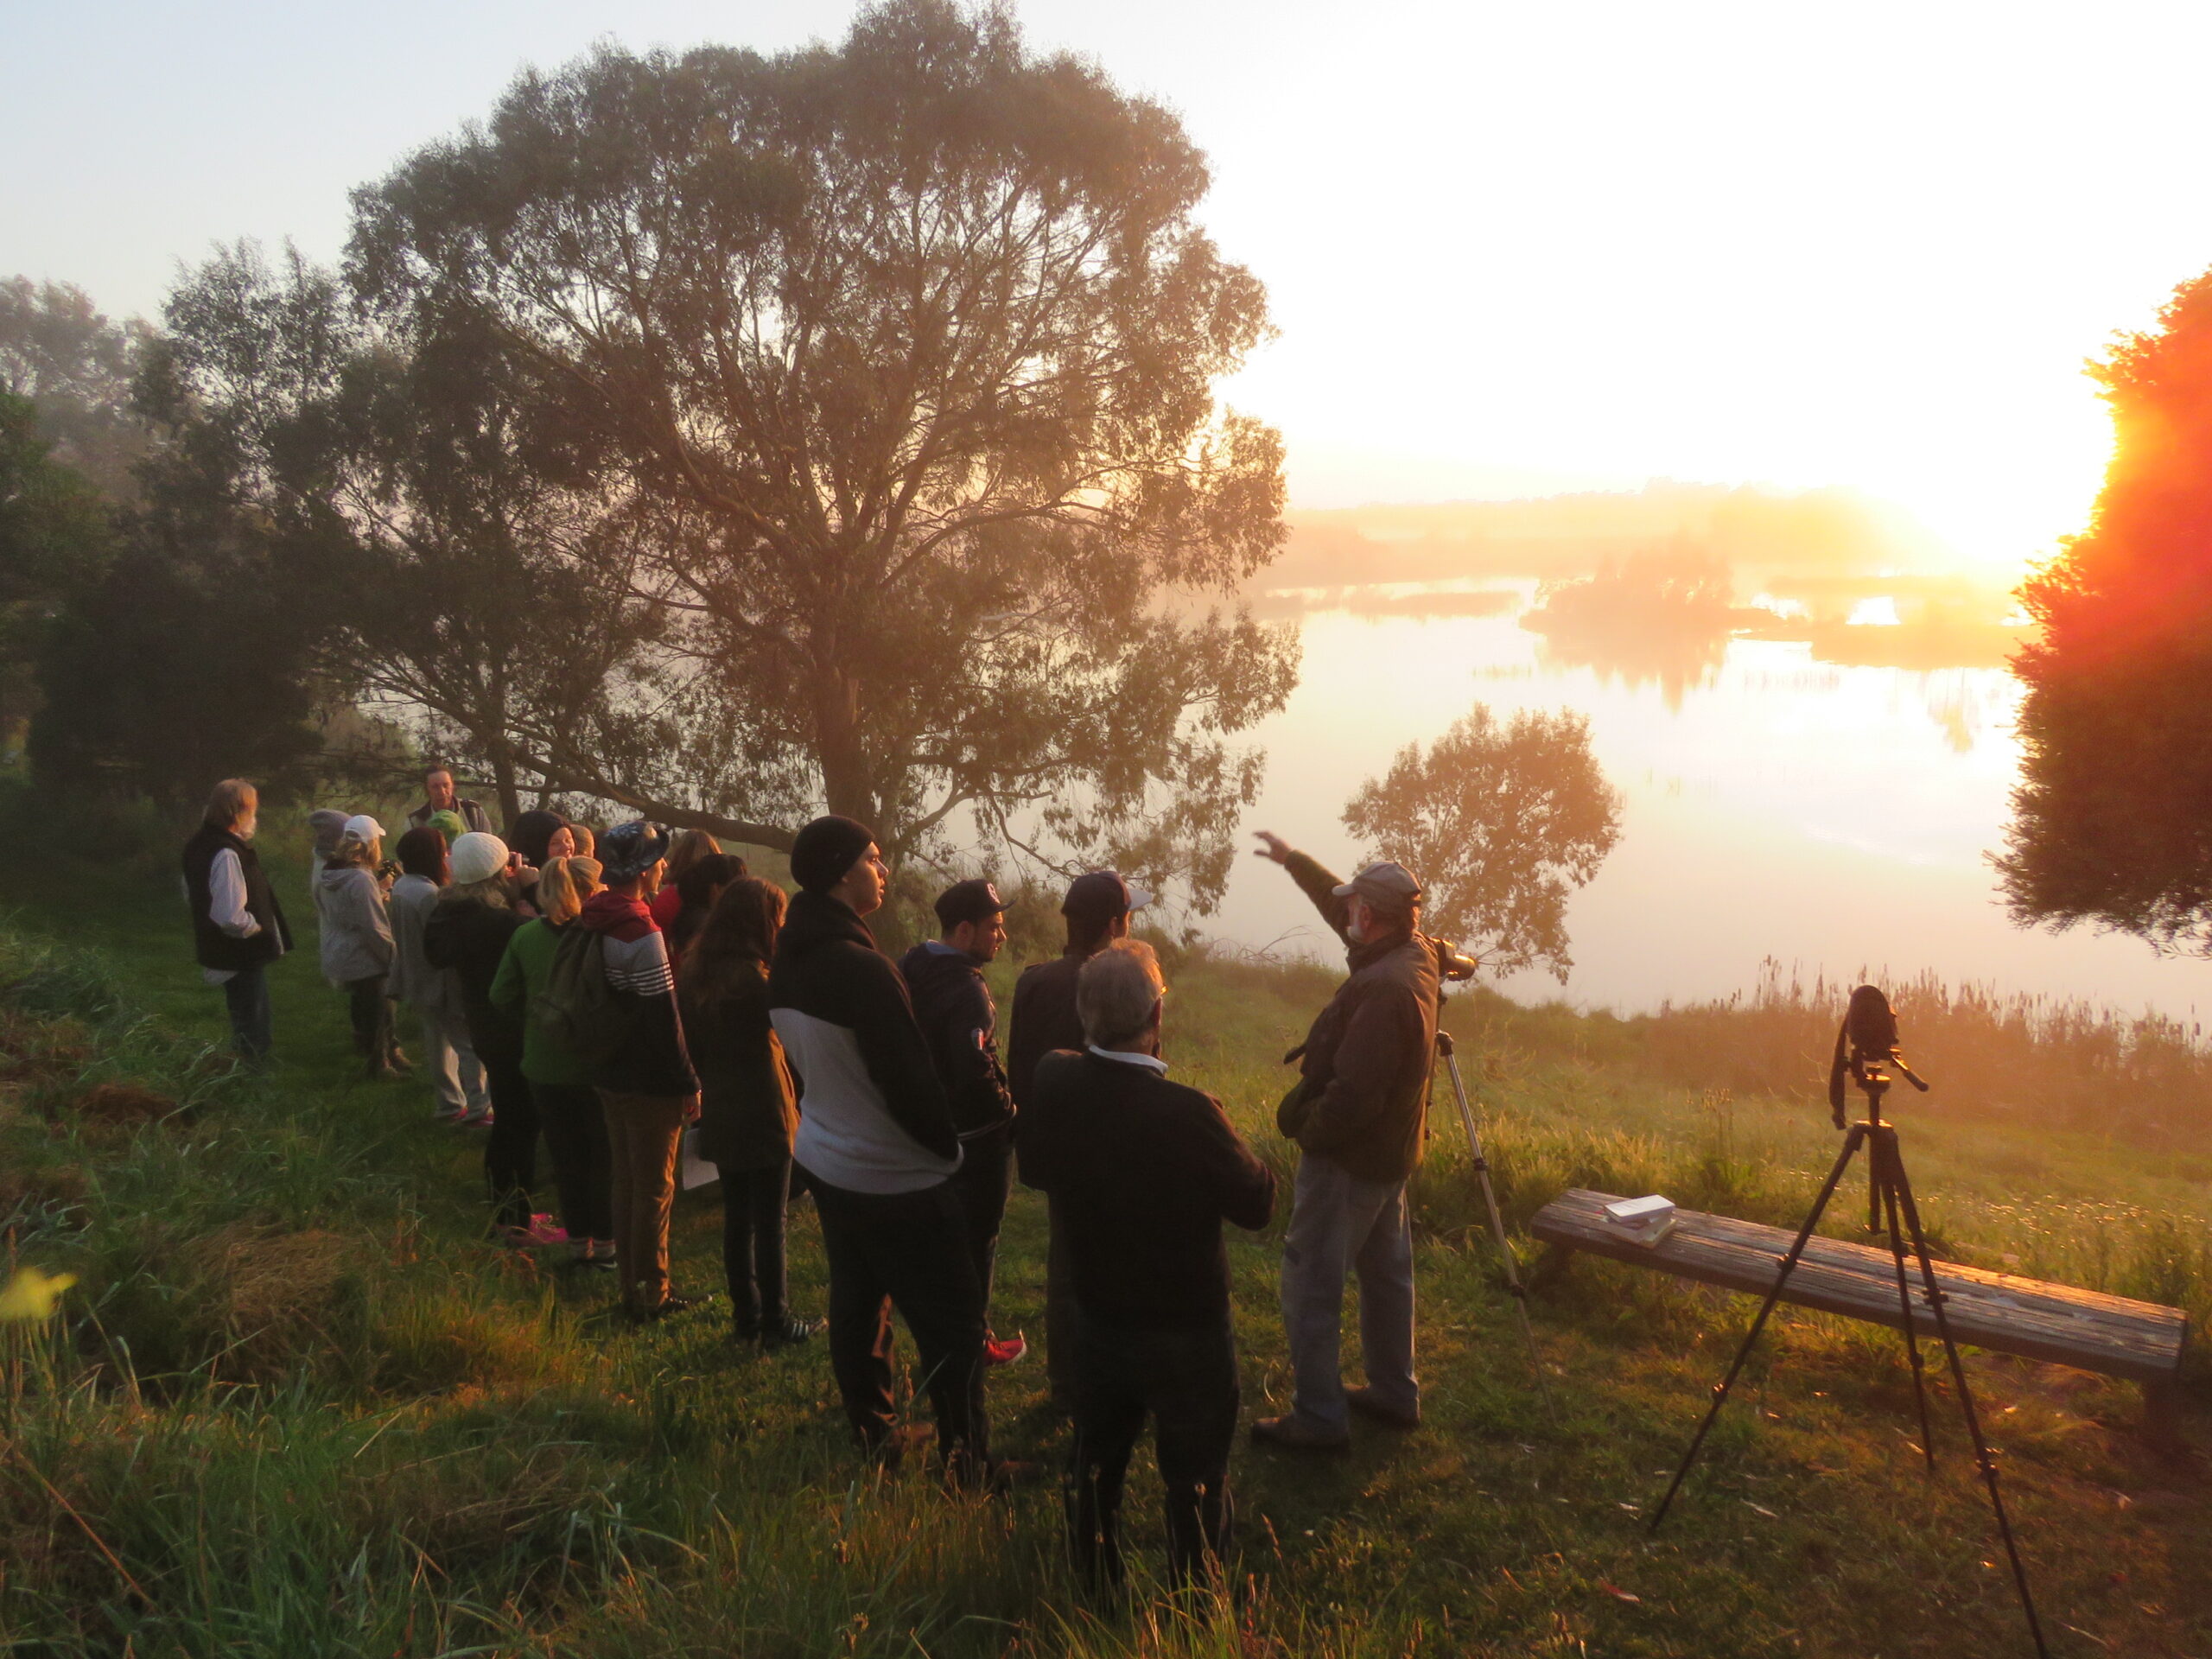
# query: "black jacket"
(212, 946)
(1043, 1018)
(953, 1007)
(827, 968)
(470, 937)
(1361, 1098)
(1142, 1172)
(747, 1102)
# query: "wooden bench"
(2139, 1341)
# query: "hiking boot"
(1294, 1435)
(997, 1352)
(1362, 1399)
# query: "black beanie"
(825, 850)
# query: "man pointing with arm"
(1359, 1114)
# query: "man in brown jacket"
(1359, 1114)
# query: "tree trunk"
(848, 786)
(503, 780)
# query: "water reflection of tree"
(1663, 615)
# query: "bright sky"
(1512, 248)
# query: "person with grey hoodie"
(457, 1073)
(357, 945)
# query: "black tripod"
(1891, 1200)
(1497, 1220)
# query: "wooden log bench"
(2139, 1341)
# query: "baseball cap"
(1102, 895)
(1386, 885)
(968, 901)
(363, 828)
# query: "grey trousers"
(450, 1057)
(1339, 1226)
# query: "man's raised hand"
(1272, 846)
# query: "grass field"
(297, 1405)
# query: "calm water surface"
(1834, 818)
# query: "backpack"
(579, 1010)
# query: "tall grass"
(298, 1405)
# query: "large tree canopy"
(912, 343)
(77, 367)
(2113, 819)
(1501, 822)
(475, 580)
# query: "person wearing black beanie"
(877, 1140)
(826, 849)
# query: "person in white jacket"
(357, 947)
(456, 1074)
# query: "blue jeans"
(246, 993)
(1339, 1226)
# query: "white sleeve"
(227, 896)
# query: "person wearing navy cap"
(958, 1020)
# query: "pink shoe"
(540, 1233)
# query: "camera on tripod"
(1454, 965)
(1866, 1051)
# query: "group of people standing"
(578, 989)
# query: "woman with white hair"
(357, 947)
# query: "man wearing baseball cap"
(1045, 1019)
(1359, 1113)
(958, 1020)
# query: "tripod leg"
(1497, 1231)
(1720, 1394)
(1885, 1184)
(1983, 1456)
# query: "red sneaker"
(997, 1352)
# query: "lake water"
(1833, 817)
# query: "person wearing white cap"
(1357, 1112)
(357, 946)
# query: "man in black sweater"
(1097, 908)
(1142, 1173)
(953, 1007)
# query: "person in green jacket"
(567, 1107)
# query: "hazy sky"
(1511, 248)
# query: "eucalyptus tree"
(912, 343)
(455, 554)
(1501, 821)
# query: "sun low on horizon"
(1511, 251)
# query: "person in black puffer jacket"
(1359, 1113)
(877, 1142)
(468, 931)
(958, 1020)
